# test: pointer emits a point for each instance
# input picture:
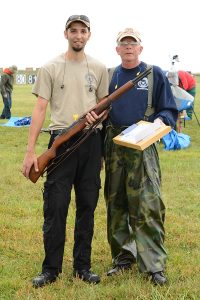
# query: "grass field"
(21, 246)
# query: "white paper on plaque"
(138, 132)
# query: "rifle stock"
(79, 125)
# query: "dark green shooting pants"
(133, 199)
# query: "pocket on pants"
(152, 167)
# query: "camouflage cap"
(78, 18)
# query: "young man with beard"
(72, 84)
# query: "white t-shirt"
(85, 83)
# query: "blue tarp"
(176, 141)
(182, 98)
(18, 122)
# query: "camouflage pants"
(133, 199)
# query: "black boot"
(119, 269)
(44, 279)
(158, 278)
(87, 275)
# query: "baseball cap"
(78, 18)
(129, 32)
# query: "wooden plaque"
(147, 140)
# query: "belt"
(117, 127)
(58, 131)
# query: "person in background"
(132, 177)
(6, 88)
(188, 83)
(172, 74)
(72, 84)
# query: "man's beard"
(77, 49)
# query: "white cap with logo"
(129, 32)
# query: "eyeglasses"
(128, 43)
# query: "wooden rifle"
(103, 104)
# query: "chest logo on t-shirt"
(90, 81)
(143, 84)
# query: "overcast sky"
(32, 31)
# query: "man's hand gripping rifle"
(104, 104)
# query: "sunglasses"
(128, 43)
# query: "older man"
(133, 177)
